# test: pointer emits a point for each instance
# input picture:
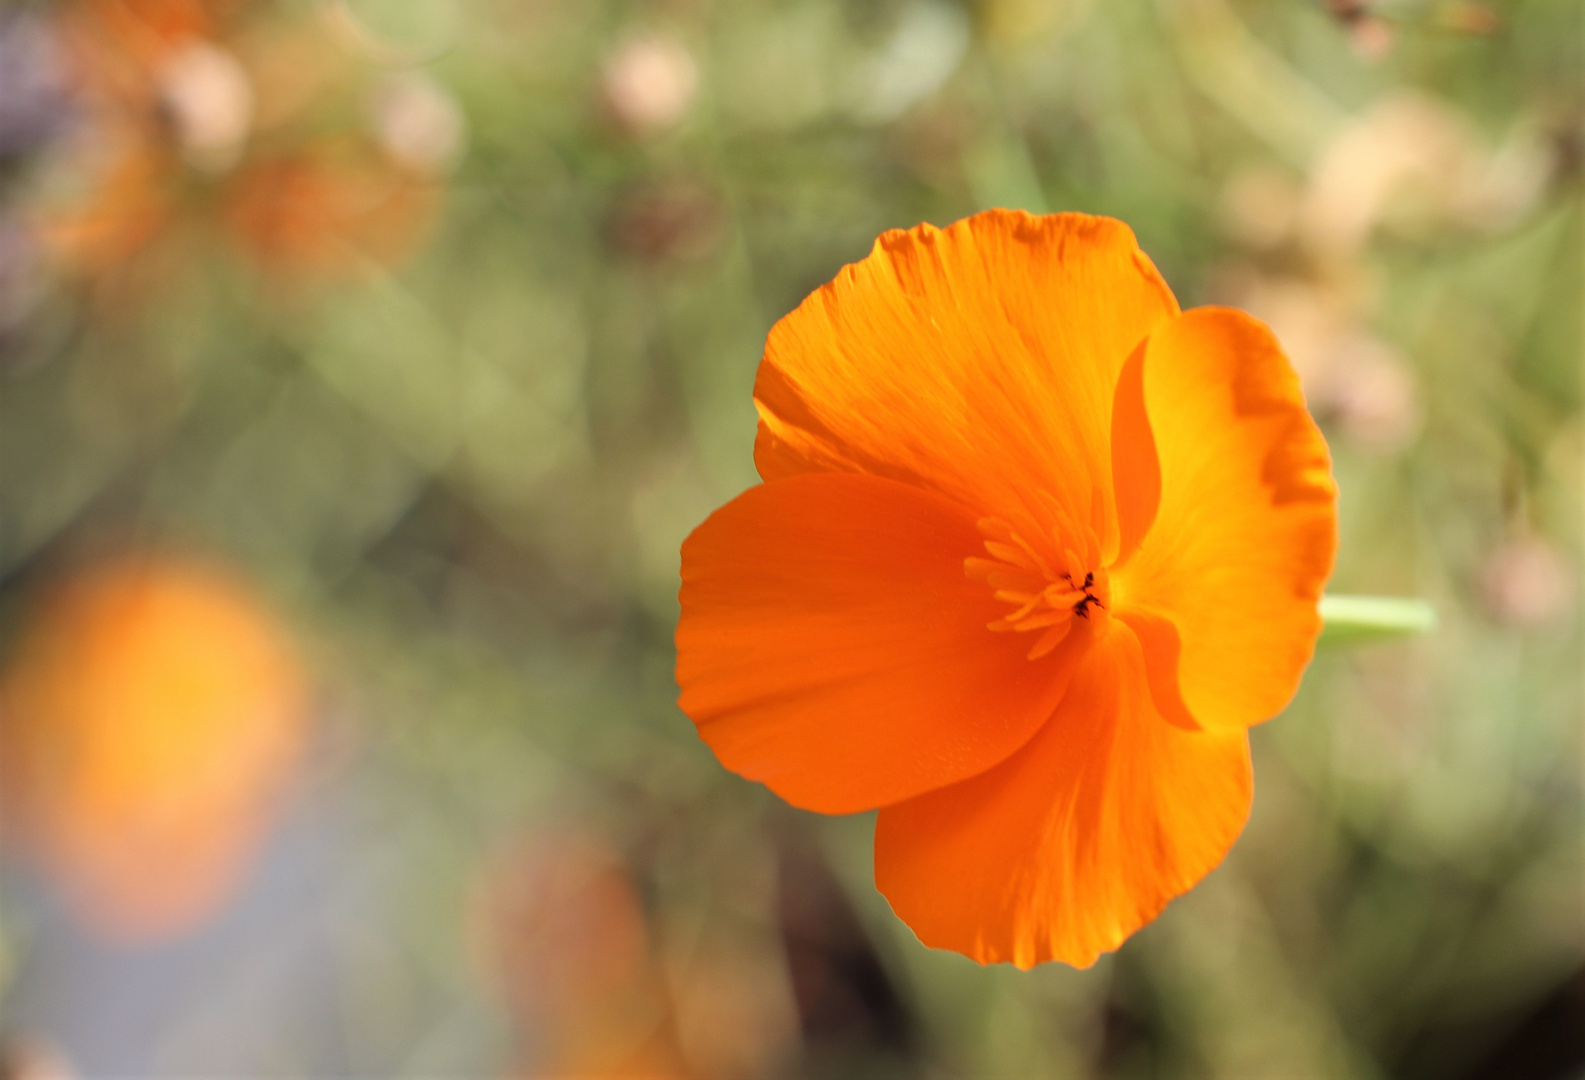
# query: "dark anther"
(1082, 608)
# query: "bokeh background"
(363, 364)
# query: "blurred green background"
(433, 324)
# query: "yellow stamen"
(1050, 640)
(1041, 599)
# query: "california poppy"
(1033, 550)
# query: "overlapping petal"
(1136, 472)
(977, 360)
(832, 647)
(1077, 840)
(1224, 586)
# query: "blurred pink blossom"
(648, 83)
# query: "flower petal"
(1136, 473)
(1223, 589)
(978, 360)
(1083, 836)
(832, 647)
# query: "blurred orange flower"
(150, 716)
(593, 988)
(1034, 549)
(561, 933)
(200, 120)
(327, 207)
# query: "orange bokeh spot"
(329, 209)
(203, 124)
(131, 204)
(150, 715)
(559, 932)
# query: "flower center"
(1044, 594)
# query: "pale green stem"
(1351, 619)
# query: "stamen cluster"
(1043, 598)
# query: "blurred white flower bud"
(1372, 393)
(1361, 385)
(209, 99)
(1511, 182)
(1372, 38)
(1406, 144)
(1412, 163)
(1352, 379)
(419, 123)
(1526, 581)
(647, 83)
(1259, 206)
(926, 47)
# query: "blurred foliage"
(461, 455)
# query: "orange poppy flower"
(1034, 549)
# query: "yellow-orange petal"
(832, 647)
(1136, 473)
(774, 458)
(1079, 839)
(1224, 587)
(978, 360)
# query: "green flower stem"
(1353, 619)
